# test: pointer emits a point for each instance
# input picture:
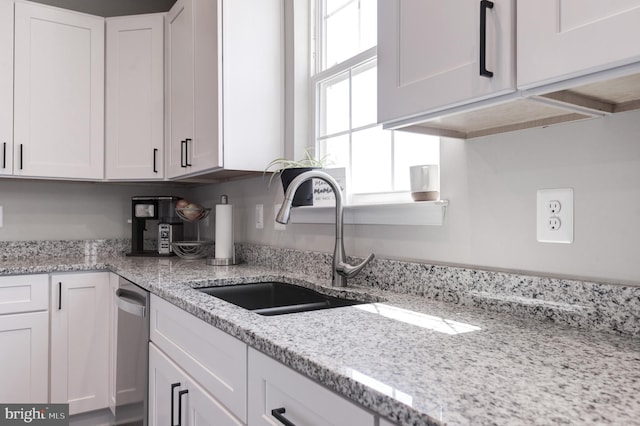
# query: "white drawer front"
(275, 386)
(215, 359)
(24, 293)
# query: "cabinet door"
(180, 88)
(429, 55)
(80, 341)
(193, 51)
(216, 359)
(24, 358)
(258, 101)
(173, 392)
(563, 39)
(113, 338)
(165, 381)
(272, 386)
(59, 93)
(135, 97)
(6, 87)
(206, 152)
(24, 293)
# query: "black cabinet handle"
(155, 155)
(182, 153)
(173, 388)
(20, 156)
(186, 151)
(59, 295)
(484, 5)
(278, 414)
(4, 155)
(180, 394)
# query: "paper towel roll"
(224, 231)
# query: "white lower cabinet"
(276, 390)
(174, 396)
(24, 339)
(196, 350)
(80, 340)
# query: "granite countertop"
(410, 359)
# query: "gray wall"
(50, 210)
(491, 184)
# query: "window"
(345, 103)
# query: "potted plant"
(289, 169)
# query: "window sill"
(415, 213)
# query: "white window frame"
(384, 208)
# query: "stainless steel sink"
(276, 298)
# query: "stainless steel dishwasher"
(132, 354)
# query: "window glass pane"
(368, 24)
(412, 149)
(371, 168)
(342, 35)
(364, 95)
(334, 105)
(333, 5)
(349, 27)
(336, 151)
(377, 160)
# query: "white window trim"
(393, 210)
(413, 214)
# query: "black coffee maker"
(154, 225)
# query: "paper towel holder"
(212, 261)
(217, 261)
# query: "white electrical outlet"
(1, 218)
(555, 215)
(259, 216)
(554, 207)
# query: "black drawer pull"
(278, 414)
(4, 155)
(59, 296)
(155, 154)
(182, 152)
(173, 388)
(186, 152)
(180, 394)
(20, 156)
(484, 5)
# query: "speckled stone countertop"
(413, 360)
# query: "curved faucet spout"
(341, 269)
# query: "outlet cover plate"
(564, 234)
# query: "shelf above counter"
(417, 214)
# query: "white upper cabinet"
(135, 97)
(180, 88)
(434, 55)
(6, 87)
(59, 93)
(561, 39)
(224, 115)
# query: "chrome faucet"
(341, 269)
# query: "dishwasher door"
(132, 354)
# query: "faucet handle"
(350, 271)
